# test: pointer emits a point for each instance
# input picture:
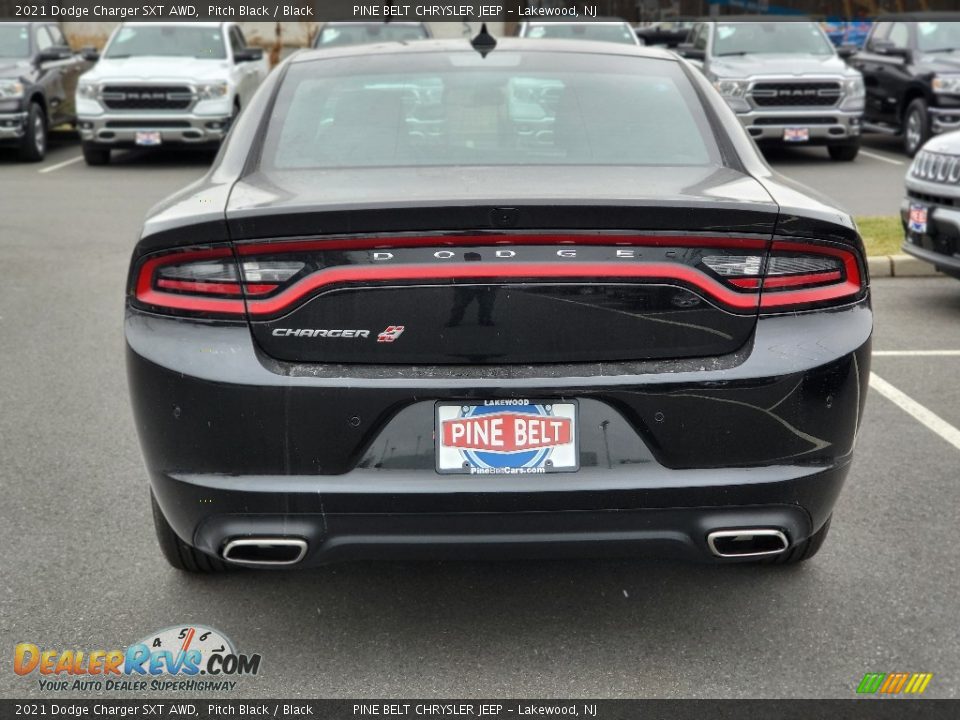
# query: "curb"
(900, 266)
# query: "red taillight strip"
(199, 286)
(470, 271)
(778, 281)
(146, 293)
(850, 287)
(443, 241)
(721, 291)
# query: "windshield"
(168, 41)
(604, 32)
(792, 38)
(514, 109)
(14, 41)
(334, 35)
(938, 36)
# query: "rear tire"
(177, 552)
(94, 155)
(34, 147)
(916, 127)
(803, 550)
(844, 153)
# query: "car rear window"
(421, 109)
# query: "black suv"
(38, 82)
(911, 67)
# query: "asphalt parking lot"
(81, 568)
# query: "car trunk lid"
(470, 266)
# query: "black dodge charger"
(449, 299)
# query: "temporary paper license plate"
(148, 138)
(796, 134)
(507, 437)
(918, 219)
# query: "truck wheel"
(34, 147)
(177, 552)
(94, 155)
(916, 127)
(844, 153)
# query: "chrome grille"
(147, 97)
(936, 167)
(795, 94)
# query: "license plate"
(148, 138)
(507, 437)
(918, 219)
(796, 134)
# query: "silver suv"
(931, 209)
(784, 80)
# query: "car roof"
(597, 21)
(757, 18)
(173, 23)
(919, 16)
(404, 23)
(507, 44)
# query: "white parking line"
(71, 161)
(885, 159)
(916, 353)
(906, 403)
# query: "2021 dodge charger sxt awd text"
(543, 299)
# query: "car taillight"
(795, 274)
(209, 280)
(264, 279)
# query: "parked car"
(615, 31)
(931, 209)
(334, 34)
(665, 32)
(159, 83)
(911, 67)
(38, 79)
(360, 337)
(784, 80)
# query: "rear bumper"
(642, 521)
(238, 445)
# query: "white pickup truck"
(166, 83)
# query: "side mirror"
(847, 51)
(248, 55)
(90, 53)
(54, 53)
(885, 47)
(690, 52)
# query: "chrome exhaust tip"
(747, 542)
(265, 551)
